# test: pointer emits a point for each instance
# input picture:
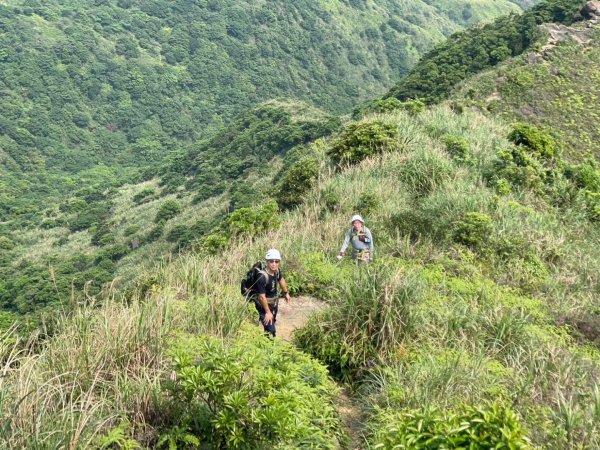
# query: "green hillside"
(475, 326)
(476, 323)
(91, 91)
(556, 88)
(97, 235)
(467, 53)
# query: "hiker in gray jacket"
(361, 239)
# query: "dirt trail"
(295, 315)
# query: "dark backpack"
(251, 278)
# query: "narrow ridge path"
(295, 315)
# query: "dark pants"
(273, 306)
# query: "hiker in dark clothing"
(361, 239)
(265, 293)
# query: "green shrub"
(251, 392)
(387, 105)
(93, 214)
(532, 163)
(475, 428)
(131, 230)
(144, 195)
(457, 147)
(113, 253)
(296, 182)
(155, 233)
(6, 243)
(177, 232)
(167, 210)
(361, 140)
(538, 142)
(366, 325)
(368, 202)
(473, 229)
(424, 171)
(331, 199)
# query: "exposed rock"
(533, 58)
(591, 10)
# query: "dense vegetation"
(475, 326)
(94, 90)
(480, 310)
(467, 53)
(96, 235)
(547, 89)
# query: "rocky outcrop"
(559, 33)
(591, 11)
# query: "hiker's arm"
(262, 298)
(284, 288)
(345, 244)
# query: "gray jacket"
(360, 241)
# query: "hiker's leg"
(269, 329)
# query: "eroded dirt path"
(295, 314)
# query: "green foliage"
(457, 147)
(366, 324)
(382, 106)
(131, 230)
(368, 203)
(250, 392)
(118, 438)
(167, 210)
(144, 195)
(296, 182)
(240, 223)
(476, 428)
(531, 163)
(93, 214)
(6, 243)
(255, 137)
(538, 142)
(361, 140)
(476, 49)
(474, 229)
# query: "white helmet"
(273, 253)
(357, 217)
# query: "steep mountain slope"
(556, 86)
(92, 90)
(455, 332)
(98, 235)
(479, 48)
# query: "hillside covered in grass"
(96, 236)
(555, 87)
(93, 91)
(475, 325)
(479, 48)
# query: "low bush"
(144, 195)
(425, 171)
(361, 140)
(387, 105)
(167, 210)
(296, 182)
(368, 203)
(473, 229)
(250, 392)
(476, 428)
(366, 325)
(457, 147)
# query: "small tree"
(167, 210)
